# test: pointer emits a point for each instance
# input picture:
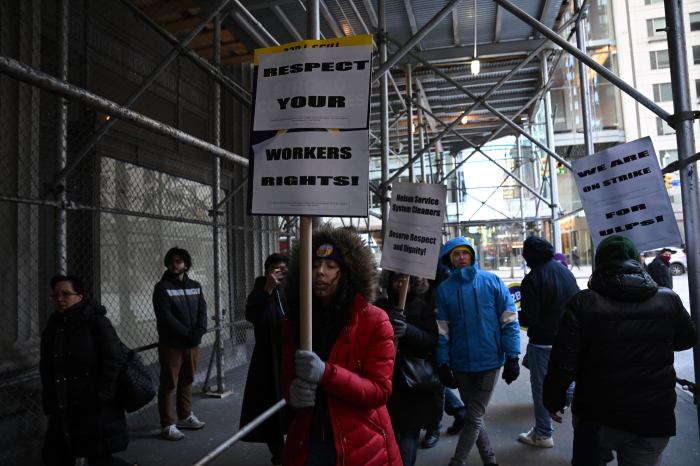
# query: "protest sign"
(314, 84)
(622, 192)
(414, 229)
(311, 173)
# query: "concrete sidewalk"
(509, 414)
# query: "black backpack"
(135, 389)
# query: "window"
(653, 25)
(652, 2)
(663, 92)
(667, 156)
(659, 59)
(662, 128)
(696, 54)
(695, 21)
(697, 89)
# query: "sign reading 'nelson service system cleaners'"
(310, 138)
(414, 229)
(622, 192)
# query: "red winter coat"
(357, 383)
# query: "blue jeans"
(408, 444)
(538, 360)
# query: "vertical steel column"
(409, 118)
(685, 140)
(216, 189)
(62, 140)
(583, 82)
(306, 223)
(421, 144)
(384, 111)
(553, 185)
(519, 152)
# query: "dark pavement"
(509, 414)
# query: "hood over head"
(537, 251)
(615, 248)
(622, 281)
(351, 253)
(452, 244)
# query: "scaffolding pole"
(62, 140)
(409, 118)
(685, 140)
(553, 184)
(384, 116)
(586, 111)
(216, 215)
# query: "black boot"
(431, 438)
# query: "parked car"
(679, 263)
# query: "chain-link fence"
(134, 196)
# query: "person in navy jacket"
(478, 334)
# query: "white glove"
(302, 394)
(308, 366)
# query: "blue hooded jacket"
(477, 319)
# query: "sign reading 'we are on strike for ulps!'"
(623, 193)
(310, 138)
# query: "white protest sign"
(622, 192)
(314, 84)
(414, 229)
(320, 173)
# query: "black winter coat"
(616, 341)
(408, 408)
(263, 387)
(181, 312)
(80, 360)
(660, 272)
(544, 291)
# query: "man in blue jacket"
(545, 291)
(479, 334)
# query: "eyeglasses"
(63, 294)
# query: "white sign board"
(622, 191)
(311, 173)
(414, 230)
(315, 84)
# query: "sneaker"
(191, 423)
(171, 433)
(431, 438)
(456, 426)
(530, 438)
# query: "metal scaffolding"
(547, 51)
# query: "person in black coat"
(265, 310)
(544, 293)
(616, 340)
(416, 332)
(660, 268)
(81, 358)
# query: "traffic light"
(560, 168)
(667, 181)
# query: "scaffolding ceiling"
(502, 42)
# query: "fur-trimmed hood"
(359, 265)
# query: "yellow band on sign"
(365, 39)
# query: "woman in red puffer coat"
(339, 390)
